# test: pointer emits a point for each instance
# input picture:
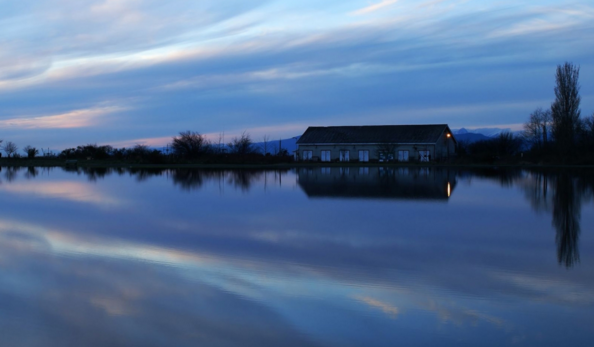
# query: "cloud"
(151, 142)
(460, 316)
(72, 119)
(214, 67)
(388, 309)
(375, 7)
(66, 190)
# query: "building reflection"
(411, 183)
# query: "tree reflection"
(11, 173)
(244, 178)
(566, 220)
(561, 194)
(188, 179)
(192, 179)
(32, 172)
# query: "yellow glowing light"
(449, 135)
(449, 189)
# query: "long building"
(423, 143)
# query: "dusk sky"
(122, 72)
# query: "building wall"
(374, 151)
(445, 147)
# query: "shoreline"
(24, 162)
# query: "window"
(325, 155)
(424, 156)
(307, 155)
(364, 156)
(386, 156)
(344, 155)
(402, 155)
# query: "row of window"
(364, 156)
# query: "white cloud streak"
(73, 119)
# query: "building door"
(363, 156)
(344, 156)
(424, 155)
(402, 155)
(325, 155)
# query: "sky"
(125, 72)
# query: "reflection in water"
(11, 173)
(566, 219)
(561, 194)
(187, 179)
(557, 193)
(417, 183)
(275, 262)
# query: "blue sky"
(130, 71)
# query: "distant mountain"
(272, 146)
(470, 137)
(489, 132)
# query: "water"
(306, 257)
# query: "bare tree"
(47, 153)
(565, 109)
(31, 151)
(10, 148)
(241, 145)
(588, 130)
(537, 127)
(221, 143)
(265, 140)
(189, 144)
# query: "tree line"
(560, 133)
(557, 134)
(188, 146)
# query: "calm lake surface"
(306, 257)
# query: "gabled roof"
(421, 134)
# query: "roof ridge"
(396, 133)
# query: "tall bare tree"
(565, 110)
(220, 143)
(265, 140)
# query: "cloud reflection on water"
(273, 267)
